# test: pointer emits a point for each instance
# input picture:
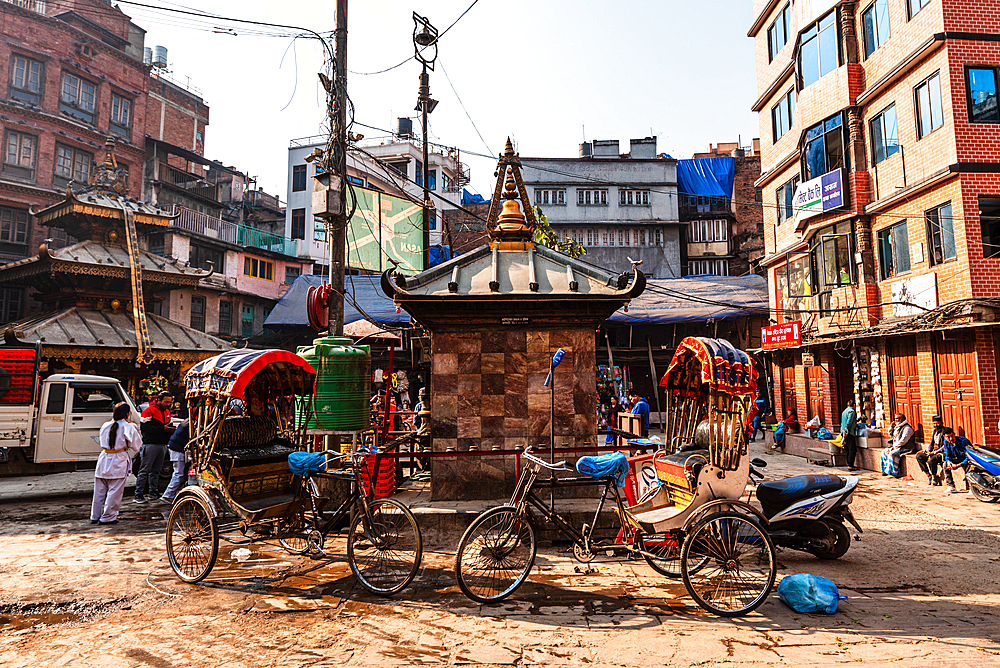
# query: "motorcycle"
(808, 512)
(984, 474)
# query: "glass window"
(894, 250)
(198, 313)
(121, 116)
(95, 398)
(19, 156)
(777, 34)
(225, 318)
(11, 302)
(824, 148)
(885, 135)
(875, 25)
(13, 225)
(786, 196)
(78, 97)
(819, 53)
(298, 223)
(258, 268)
(836, 259)
(982, 86)
(298, 178)
(432, 179)
(26, 77)
(989, 220)
(783, 115)
(915, 6)
(941, 234)
(928, 101)
(795, 284)
(72, 164)
(56, 403)
(200, 257)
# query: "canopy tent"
(712, 177)
(696, 299)
(362, 290)
(228, 374)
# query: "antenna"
(584, 128)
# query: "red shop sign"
(781, 336)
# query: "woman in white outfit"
(120, 440)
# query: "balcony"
(690, 205)
(248, 237)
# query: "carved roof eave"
(37, 265)
(72, 205)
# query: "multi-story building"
(75, 75)
(724, 231)
(881, 190)
(392, 165)
(618, 206)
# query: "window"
(13, 225)
(247, 321)
(445, 183)
(549, 196)
(590, 237)
(225, 318)
(708, 267)
(709, 230)
(659, 236)
(795, 281)
(819, 53)
(258, 268)
(121, 116)
(786, 197)
(11, 304)
(824, 147)
(155, 243)
(353, 179)
(783, 115)
(292, 273)
(201, 256)
(777, 34)
(884, 134)
(78, 97)
(989, 220)
(399, 166)
(298, 178)
(198, 313)
(915, 6)
(875, 26)
(633, 197)
(95, 398)
(834, 257)
(56, 404)
(432, 179)
(432, 219)
(19, 156)
(298, 223)
(894, 250)
(928, 102)
(592, 197)
(71, 165)
(940, 234)
(982, 86)
(26, 79)
(420, 173)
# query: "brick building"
(74, 75)
(881, 181)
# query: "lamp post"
(425, 36)
(551, 383)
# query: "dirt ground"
(923, 587)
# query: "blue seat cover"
(613, 464)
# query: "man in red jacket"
(156, 430)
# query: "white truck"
(51, 425)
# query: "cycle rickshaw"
(243, 431)
(692, 525)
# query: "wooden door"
(814, 393)
(786, 377)
(904, 382)
(843, 367)
(957, 388)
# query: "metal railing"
(244, 235)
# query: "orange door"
(788, 397)
(904, 378)
(814, 392)
(957, 387)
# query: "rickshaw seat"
(276, 450)
(658, 514)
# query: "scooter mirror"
(758, 463)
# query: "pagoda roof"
(99, 259)
(94, 201)
(78, 333)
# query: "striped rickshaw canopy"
(273, 372)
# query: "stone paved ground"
(924, 587)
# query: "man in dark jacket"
(933, 453)
(955, 458)
(178, 460)
(154, 424)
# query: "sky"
(547, 73)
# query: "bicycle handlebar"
(561, 466)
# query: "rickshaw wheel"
(668, 557)
(495, 555)
(385, 555)
(192, 538)
(295, 540)
(737, 564)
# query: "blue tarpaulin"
(696, 298)
(439, 254)
(470, 198)
(707, 176)
(291, 309)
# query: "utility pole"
(337, 226)
(425, 35)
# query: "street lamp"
(425, 37)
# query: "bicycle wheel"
(192, 538)
(385, 555)
(668, 554)
(739, 568)
(495, 555)
(295, 538)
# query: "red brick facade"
(954, 162)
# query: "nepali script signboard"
(384, 227)
(781, 336)
(818, 195)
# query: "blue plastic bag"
(612, 464)
(824, 434)
(803, 592)
(307, 463)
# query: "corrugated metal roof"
(96, 253)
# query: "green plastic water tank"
(343, 383)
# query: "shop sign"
(819, 195)
(781, 336)
(808, 359)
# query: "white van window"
(95, 399)
(57, 399)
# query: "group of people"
(153, 440)
(636, 404)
